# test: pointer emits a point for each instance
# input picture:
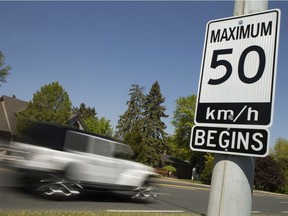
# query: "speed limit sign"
(238, 72)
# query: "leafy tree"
(134, 113)
(280, 155)
(268, 175)
(85, 112)
(4, 70)
(100, 126)
(154, 133)
(50, 104)
(183, 121)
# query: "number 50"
(241, 73)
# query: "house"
(75, 121)
(184, 169)
(10, 106)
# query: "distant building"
(9, 108)
(75, 121)
(183, 169)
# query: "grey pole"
(253, 6)
(232, 179)
(232, 186)
(239, 7)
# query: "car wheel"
(146, 191)
(58, 186)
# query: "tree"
(100, 126)
(85, 112)
(280, 155)
(50, 104)
(154, 135)
(134, 113)
(183, 121)
(135, 139)
(4, 70)
(141, 126)
(129, 127)
(268, 175)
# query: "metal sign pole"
(232, 186)
(232, 179)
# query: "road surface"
(173, 196)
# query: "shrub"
(268, 175)
(206, 175)
(169, 168)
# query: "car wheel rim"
(53, 185)
(144, 192)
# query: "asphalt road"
(173, 196)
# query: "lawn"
(84, 213)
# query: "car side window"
(123, 151)
(102, 147)
(76, 141)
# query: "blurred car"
(59, 161)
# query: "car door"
(94, 158)
(101, 165)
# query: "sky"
(96, 50)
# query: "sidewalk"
(183, 182)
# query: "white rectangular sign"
(238, 72)
(232, 141)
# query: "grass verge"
(89, 213)
(84, 213)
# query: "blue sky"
(96, 50)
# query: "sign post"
(235, 102)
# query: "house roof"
(75, 117)
(167, 158)
(8, 108)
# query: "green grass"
(89, 213)
(83, 213)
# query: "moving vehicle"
(60, 161)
